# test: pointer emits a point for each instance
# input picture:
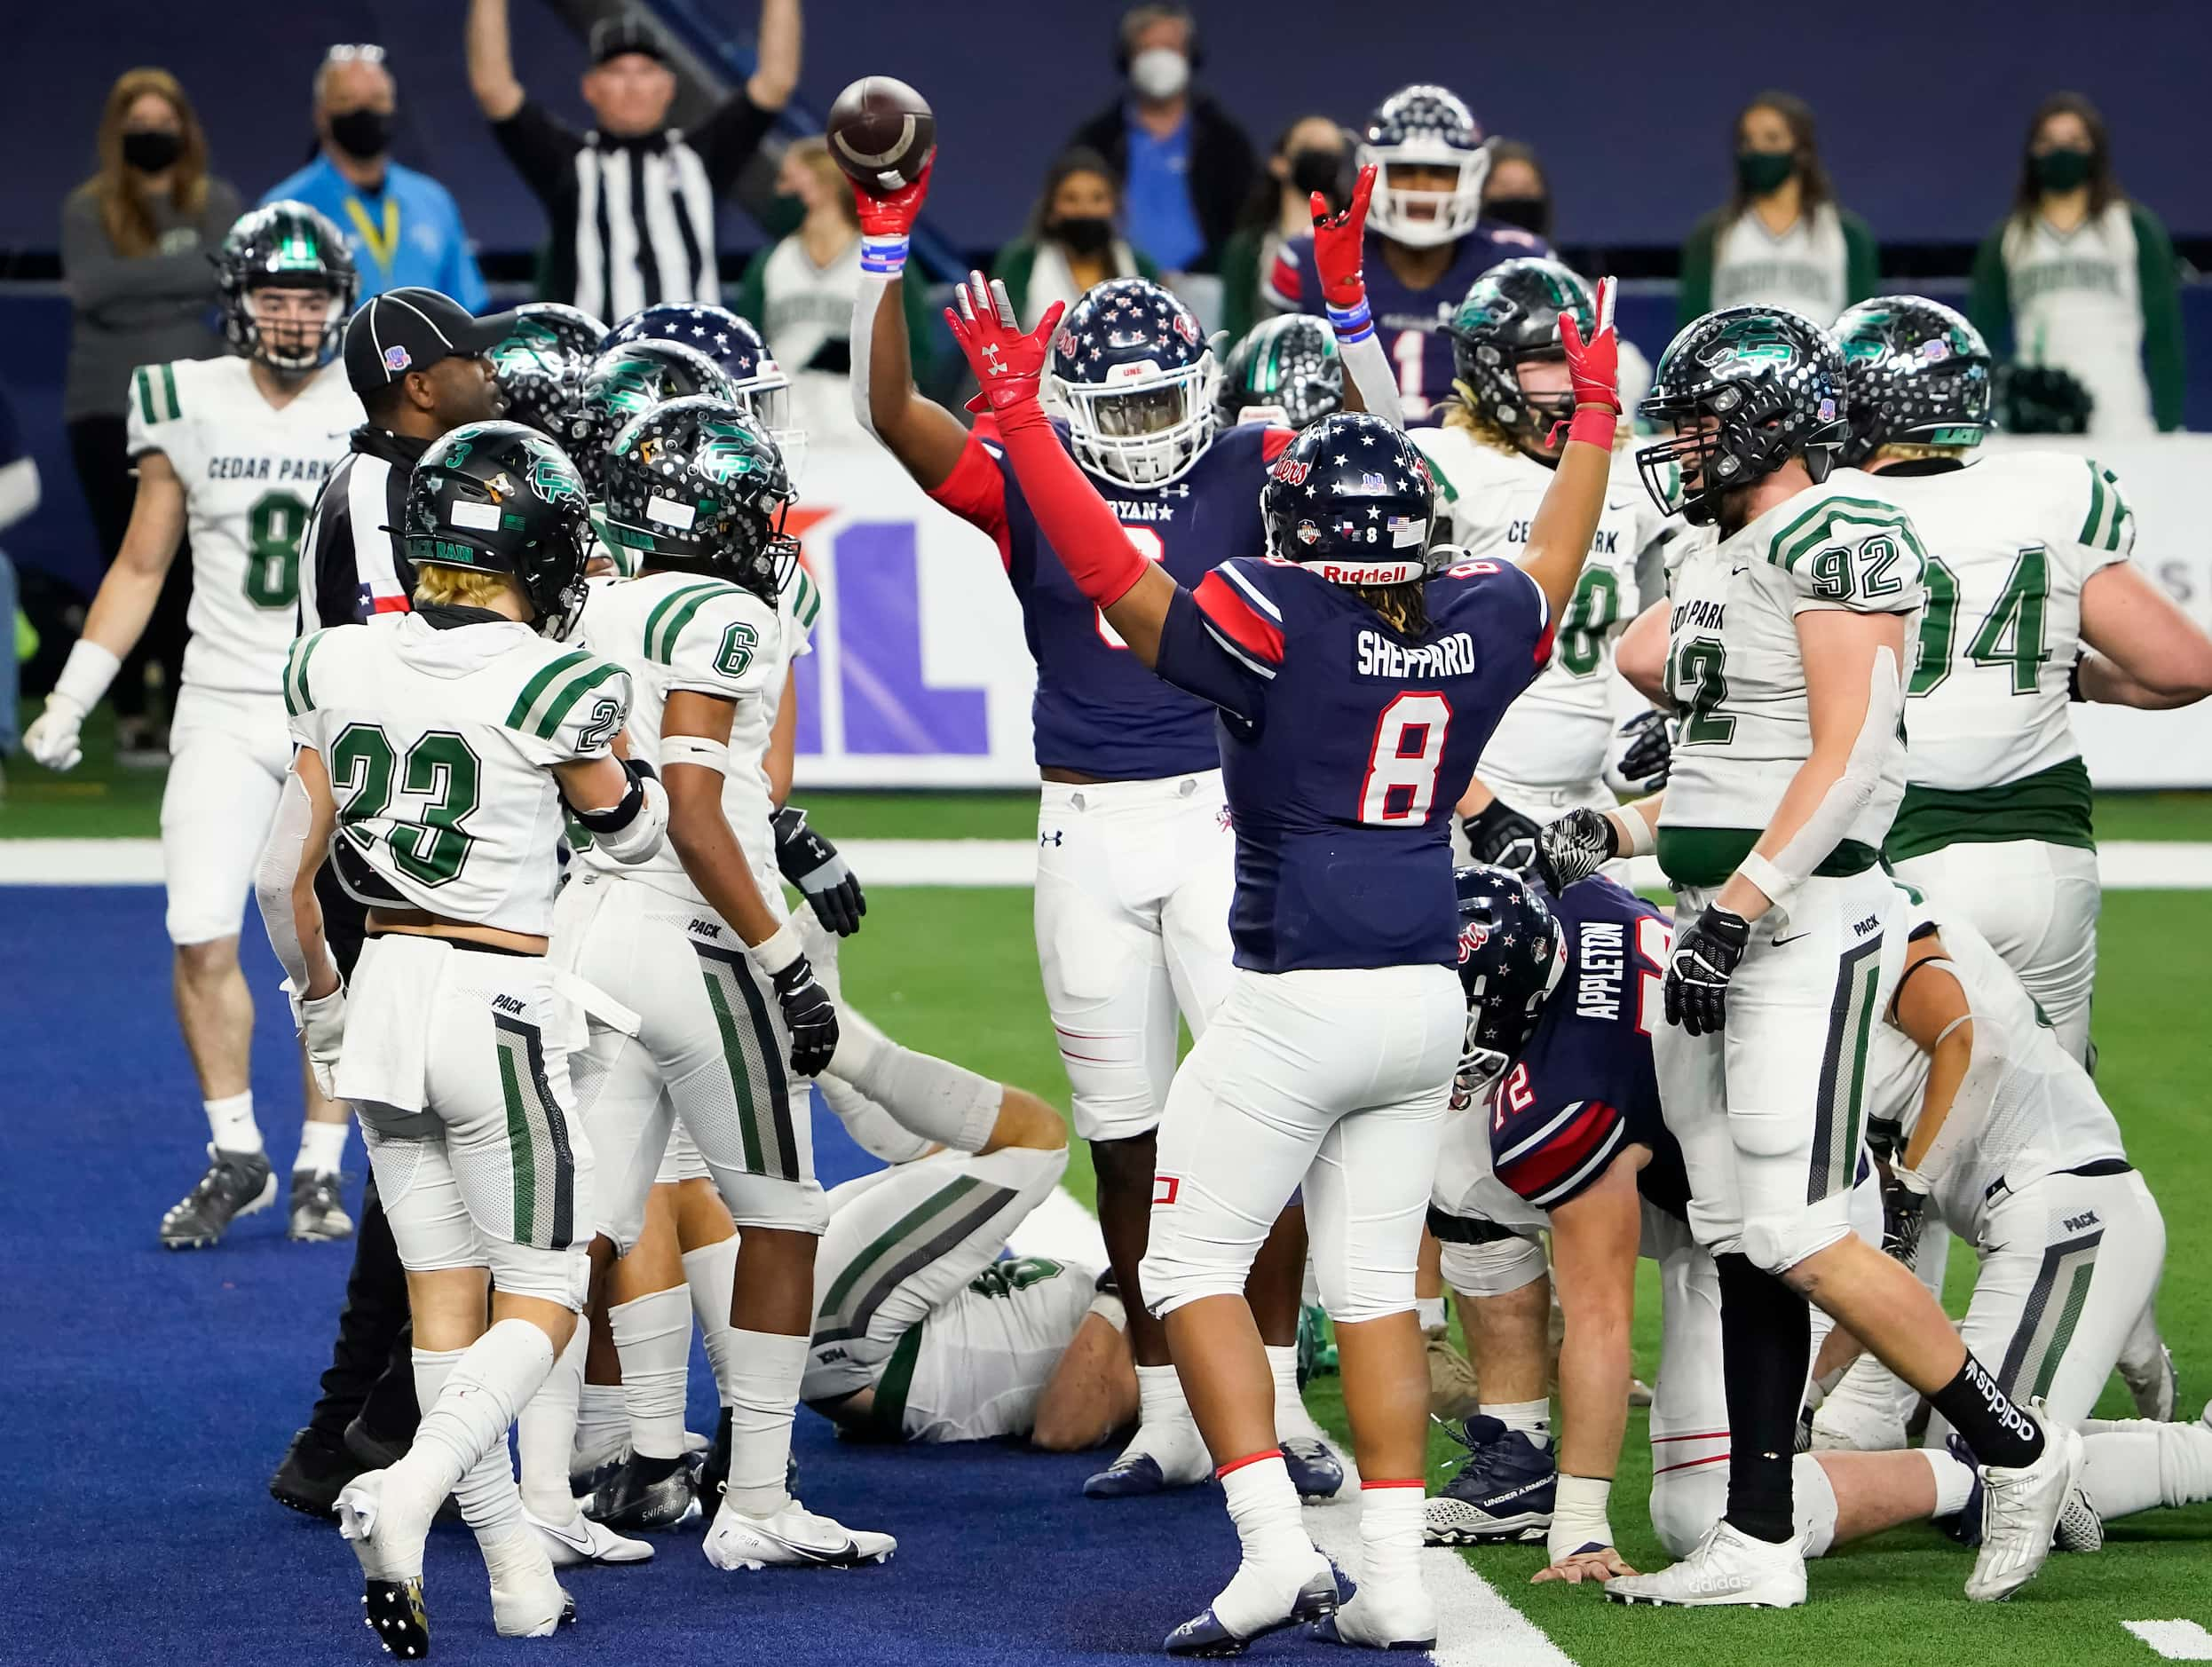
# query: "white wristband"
(87, 673)
(1642, 840)
(695, 749)
(778, 951)
(1768, 878)
(1578, 1516)
(1110, 1309)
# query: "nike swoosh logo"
(821, 1554)
(578, 1539)
(1779, 942)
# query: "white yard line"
(2176, 1640)
(1062, 1229)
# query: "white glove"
(51, 739)
(321, 1022)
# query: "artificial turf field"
(952, 970)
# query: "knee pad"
(1109, 1084)
(1687, 1499)
(1494, 1268)
(1175, 1272)
(791, 1207)
(1780, 1232)
(561, 1276)
(1355, 1294)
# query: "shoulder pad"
(1854, 551)
(556, 692)
(720, 640)
(299, 697)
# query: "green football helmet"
(1286, 371)
(627, 381)
(540, 364)
(1916, 372)
(286, 245)
(697, 484)
(1511, 317)
(501, 498)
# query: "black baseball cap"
(409, 330)
(612, 38)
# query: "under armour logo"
(992, 358)
(1053, 838)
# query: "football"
(882, 133)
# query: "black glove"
(1575, 848)
(1495, 830)
(1704, 959)
(1904, 1212)
(811, 863)
(809, 1017)
(1650, 750)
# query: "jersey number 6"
(1401, 780)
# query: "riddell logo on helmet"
(1292, 471)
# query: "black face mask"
(151, 151)
(1084, 234)
(363, 135)
(1530, 214)
(1321, 170)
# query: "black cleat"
(318, 1215)
(316, 1465)
(644, 1495)
(714, 1475)
(396, 1615)
(236, 1184)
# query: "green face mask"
(2063, 169)
(1763, 173)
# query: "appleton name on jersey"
(1556, 735)
(1097, 711)
(439, 746)
(251, 473)
(1736, 674)
(2010, 541)
(1345, 745)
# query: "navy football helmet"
(285, 245)
(1286, 372)
(1916, 372)
(540, 364)
(735, 345)
(1512, 953)
(1352, 498)
(1425, 126)
(1511, 317)
(1134, 378)
(627, 381)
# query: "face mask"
(1317, 170)
(1084, 234)
(1763, 173)
(151, 151)
(1530, 214)
(1159, 72)
(2062, 170)
(362, 134)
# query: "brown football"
(882, 134)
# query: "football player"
(1287, 373)
(1427, 238)
(438, 749)
(1354, 694)
(762, 388)
(1784, 647)
(542, 363)
(232, 450)
(1135, 857)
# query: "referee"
(632, 202)
(416, 359)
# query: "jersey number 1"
(1401, 782)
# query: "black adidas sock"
(1986, 1419)
(1766, 1349)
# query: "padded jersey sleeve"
(299, 703)
(1501, 605)
(721, 641)
(2092, 525)
(571, 706)
(1223, 641)
(1851, 553)
(1545, 1153)
(1294, 281)
(155, 417)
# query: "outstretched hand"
(1601, 1565)
(1007, 364)
(1593, 367)
(893, 214)
(1339, 240)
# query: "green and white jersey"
(1557, 732)
(1734, 669)
(251, 473)
(1806, 268)
(2010, 541)
(2077, 304)
(439, 744)
(973, 1369)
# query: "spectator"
(1309, 157)
(1782, 240)
(1072, 242)
(19, 497)
(2081, 277)
(1186, 167)
(632, 201)
(1515, 189)
(402, 225)
(799, 293)
(135, 242)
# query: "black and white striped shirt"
(350, 566)
(633, 219)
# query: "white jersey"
(1734, 669)
(979, 1362)
(2077, 302)
(250, 474)
(2040, 1115)
(2010, 542)
(439, 744)
(1806, 268)
(1556, 734)
(805, 308)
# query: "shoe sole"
(321, 1510)
(395, 1613)
(756, 1565)
(1306, 1611)
(316, 1236)
(1701, 1603)
(1528, 1536)
(204, 1241)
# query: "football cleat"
(1403, 1617)
(391, 1567)
(2020, 1511)
(1158, 1456)
(1315, 1471)
(236, 1184)
(318, 1215)
(580, 1541)
(645, 1494)
(794, 1537)
(1727, 1567)
(316, 1466)
(1314, 1599)
(1451, 1390)
(1503, 1493)
(2152, 1383)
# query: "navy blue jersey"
(1098, 710)
(1583, 1087)
(1345, 745)
(1410, 323)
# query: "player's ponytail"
(1404, 608)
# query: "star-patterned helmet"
(696, 483)
(735, 345)
(1511, 317)
(1916, 372)
(1352, 498)
(1286, 372)
(540, 364)
(627, 381)
(1425, 126)
(1512, 953)
(1134, 378)
(501, 498)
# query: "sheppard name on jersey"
(300, 469)
(1600, 965)
(1450, 656)
(1697, 611)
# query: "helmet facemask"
(1727, 434)
(766, 398)
(291, 326)
(1143, 425)
(1425, 216)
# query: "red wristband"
(1594, 425)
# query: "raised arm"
(2163, 657)
(1339, 242)
(926, 439)
(1567, 520)
(491, 62)
(776, 55)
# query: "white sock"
(489, 1503)
(1953, 1481)
(1430, 1310)
(763, 1394)
(652, 1333)
(709, 1272)
(1290, 1416)
(1160, 1401)
(230, 1123)
(1390, 1532)
(1278, 1555)
(1532, 1418)
(322, 1148)
(924, 1095)
(603, 1424)
(2131, 1464)
(545, 1434)
(492, 1381)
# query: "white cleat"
(794, 1537)
(580, 1541)
(1727, 1567)
(2020, 1510)
(2079, 1527)
(1402, 1617)
(527, 1601)
(388, 1545)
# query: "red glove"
(1593, 369)
(1338, 242)
(892, 216)
(1007, 364)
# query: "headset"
(1155, 12)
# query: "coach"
(632, 201)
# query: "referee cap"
(625, 31)
(409, 330)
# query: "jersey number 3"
(1401, 780)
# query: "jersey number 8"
(1401, 782)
